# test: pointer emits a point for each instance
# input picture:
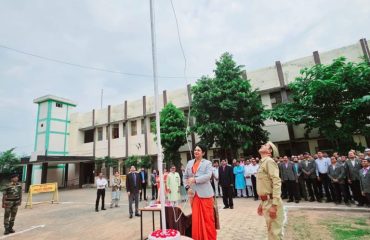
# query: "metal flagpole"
(156, 101)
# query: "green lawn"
(350, 229)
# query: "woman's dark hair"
(201, 146)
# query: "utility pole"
(156, 101)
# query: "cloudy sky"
(115, 35)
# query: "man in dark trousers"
(133, 186)
(354, 166)
(289, 176)
(336, 174)
(309, 174)
(144, 181)
(226, 180)
(153, 181)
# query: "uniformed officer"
(269, 191)
(12, 198)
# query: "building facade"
(123, 130)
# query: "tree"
(145, 162)
(332, 98)
(173, 133)
(9, 162)
(228, 112)
(132, 161)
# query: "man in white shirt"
(101, 184)
(217, 189)
(248, 171)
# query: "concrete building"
(122, 130)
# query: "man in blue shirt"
(144, 181)
(322, 165)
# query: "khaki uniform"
(269, 189)
(12, 198)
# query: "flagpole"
(158, 129)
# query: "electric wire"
(84, 66)
(187, 130)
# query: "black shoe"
(360, 205)
(11, 230)
(130, 215)
(103, 209)
(137, 215)
(226, 207)
(231, 207)
(312, 200)
(347, 204)
(319, 200)
(296, 201)
(328, 201)
(306, 199)
(96, 210)
(290, 200)
(6, 231)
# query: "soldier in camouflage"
(12, 198)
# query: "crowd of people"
(336, 178)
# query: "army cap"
(275, 152)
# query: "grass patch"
(350, 229)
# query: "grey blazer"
(365, 181)
(337, 173)
(354, 172)
(288, 173)
(202, 177)
(309, 170)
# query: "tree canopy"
(173, 134)
(334, 98)
(228, 112)
(9, 161)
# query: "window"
(124, 130)
(133, 128)
(152, 124)
(143, 126)
(89, 136)
(275, 98)
(58, 105)
(100, 133)
(115, 131)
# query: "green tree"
(9, 162)
(145, 162)
(228, 112)
(173, 134)
(132, 161)
(332, 98)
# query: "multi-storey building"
(123, 130)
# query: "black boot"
(11, 230)
(6, 231)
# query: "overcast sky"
(115, 35)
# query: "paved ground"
(74, 218)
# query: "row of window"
(89, 134)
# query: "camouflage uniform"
(12, 198)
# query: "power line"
(186, 79)
(82, 66)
